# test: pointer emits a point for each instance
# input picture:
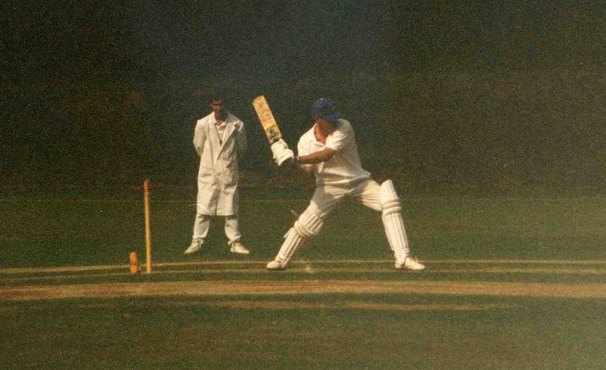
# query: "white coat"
(218, 173)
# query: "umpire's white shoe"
(409, 263)
(275, 265)
(194, 247)
(239, 248)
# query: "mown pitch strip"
(355, 262)
(309, 280)
(307, 287)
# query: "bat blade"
(266, 117)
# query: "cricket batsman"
(329, 150)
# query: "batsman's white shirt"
(344, 168)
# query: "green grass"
(88, 229)
(161, 333)
(463, 239)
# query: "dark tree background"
(497, 95)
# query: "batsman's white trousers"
(327, 197)
(202, 225)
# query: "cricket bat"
(268, 122)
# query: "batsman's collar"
(324, 108)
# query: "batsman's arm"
(301, 164)
(300, 169)
(317, 157)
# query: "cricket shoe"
(275, 265)
(194, 247)
(410, 263)
(239, 248)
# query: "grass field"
(512, 283)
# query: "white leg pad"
(292, 242)
(393, 221)
(307, 226)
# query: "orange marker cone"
(134, 263)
